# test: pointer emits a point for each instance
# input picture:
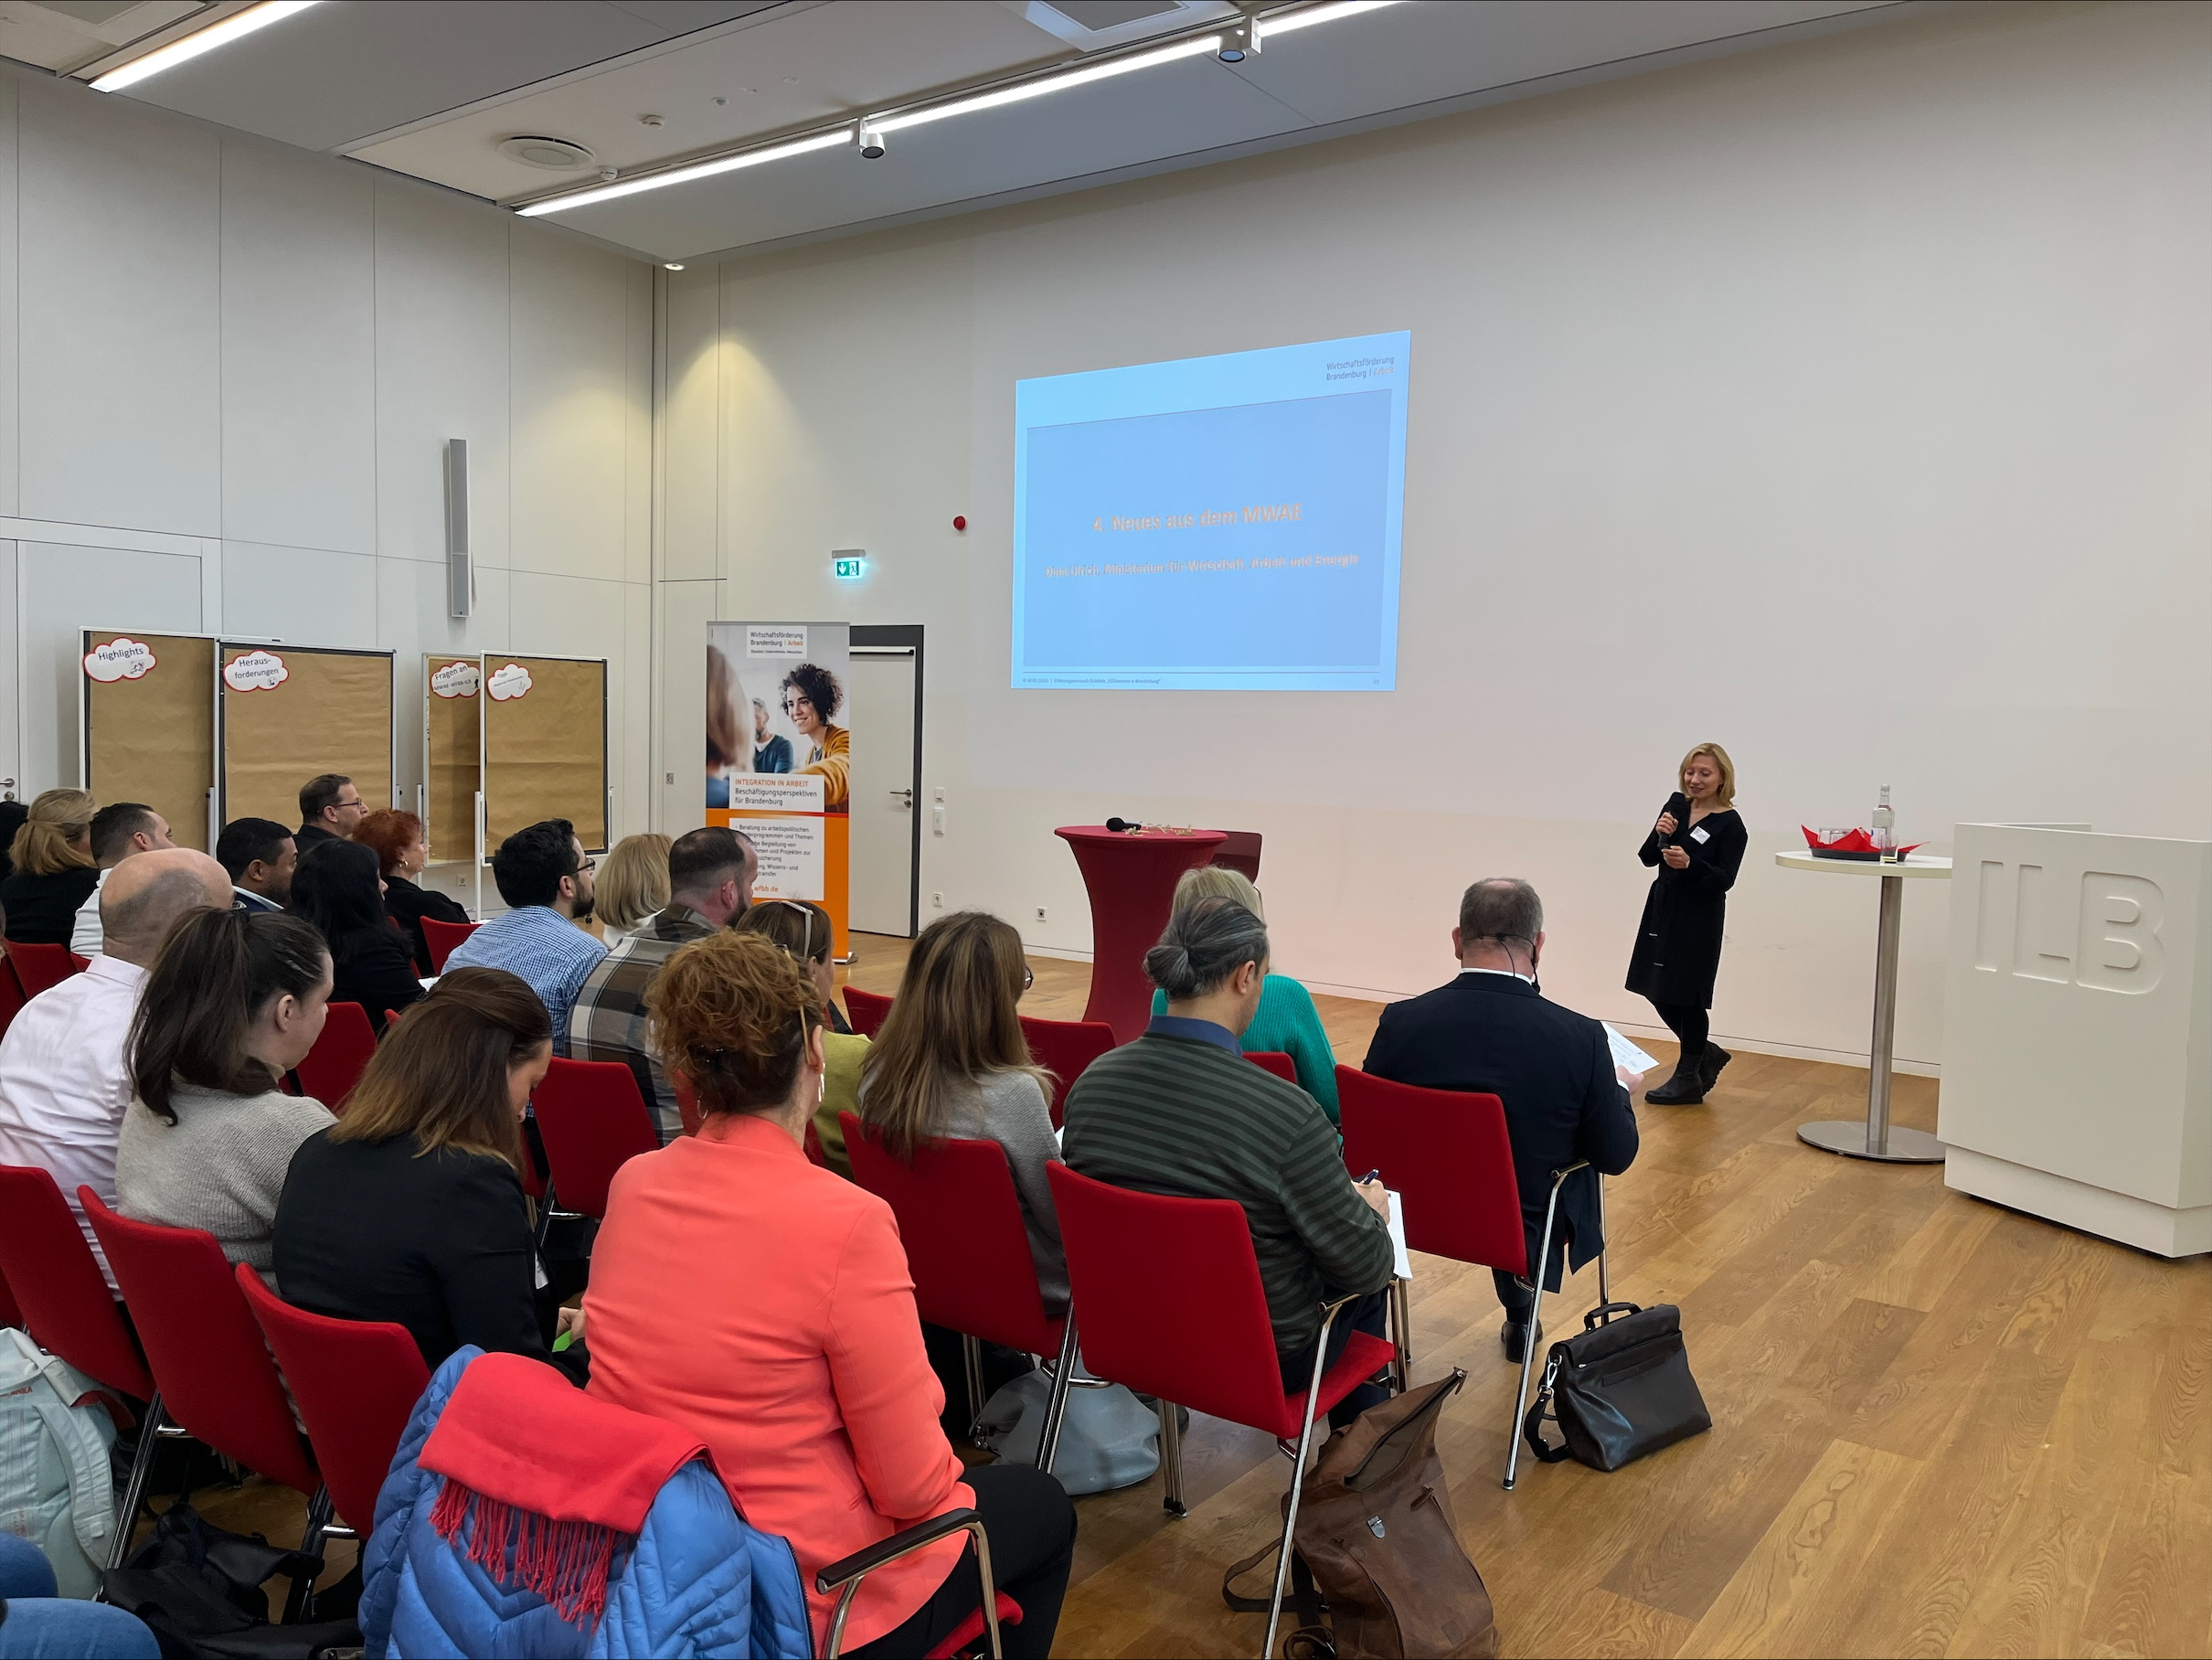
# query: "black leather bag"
(1619, 1388)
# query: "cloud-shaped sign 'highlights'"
(120, 659)
(511, 681)
(255, 671)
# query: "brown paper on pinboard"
(151, 739)
(331, 713)
(450, 766)
(545, 752)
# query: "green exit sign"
(850, 567)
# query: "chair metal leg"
(1401, 1328)
(1056, 1403)
(135, 1490)
(1536, 1312)
(972, 1361)
(1171, 1458)
(1305, 1444)
(299, 1605)
(1605, 1283)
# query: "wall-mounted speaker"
(460, 578)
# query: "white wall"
(1849, 403)
(226, 404)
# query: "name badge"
(1701, 835)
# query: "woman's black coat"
(1678, 950)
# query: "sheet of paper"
(1402, 1265)
(1626, 1054)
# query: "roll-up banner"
(778, 756)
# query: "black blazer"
(42, 910)
(407, 905)
(373, 966)
(1496, 1035)
(438, 1244)
(1676, 956)
(307, 835)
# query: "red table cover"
(1132, 878)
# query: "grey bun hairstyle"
(1204, 943)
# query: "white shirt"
(1509, 973)
(86, 938)
(64, 1083)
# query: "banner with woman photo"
(779, 755)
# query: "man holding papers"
(1491, 1031)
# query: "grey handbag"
(1110, 1438)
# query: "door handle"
(906, 798)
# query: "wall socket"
(938, 900)
(1040, 913)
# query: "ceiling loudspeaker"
(552, 155)
(460, 577)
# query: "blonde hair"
(1726, 793)
(633, 880)
(952, 1023)
(58, 817)
(1217, 882)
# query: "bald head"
(144, 898)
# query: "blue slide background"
(1320, 425)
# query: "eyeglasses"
(589, 864)
(1028, 976)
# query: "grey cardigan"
(221, 1166)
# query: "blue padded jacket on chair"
(691, 1578)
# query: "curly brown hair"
(733, 1013)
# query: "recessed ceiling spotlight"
(648, 121)
(672, 267)
(553, 155)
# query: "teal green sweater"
(1288, 1024)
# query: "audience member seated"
(64, 1079)
(12, 813)
(37, 1620)
(710, 875)
(632, 884)
(805, 930)
(118, 830)
(403, 847)
(409, 1207)
(542, 874)
(338, 890)
(1492, 1032)
(261, 857)
(764, 1305)
(234, 1001)
(54, 870)
(1180, 1111)
(1287, 1022)
(950, 1061)
(329, 809)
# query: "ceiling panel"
(799, 67)
(342, 71)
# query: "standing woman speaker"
(1698, 843)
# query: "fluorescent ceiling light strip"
(1052, 83)
(1285, 22)
(683, 176)
(233, 27)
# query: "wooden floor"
(1939, 1427)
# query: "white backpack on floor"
(56, 1489)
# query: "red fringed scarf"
(549, 1481)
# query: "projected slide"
(1225, 523)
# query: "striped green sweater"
(1181, 1117)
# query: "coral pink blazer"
(763, 1305)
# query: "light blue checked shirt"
(544, 948)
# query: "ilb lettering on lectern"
(2101, 932)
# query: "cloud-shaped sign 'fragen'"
(456, 680)
(120, 659)
(255, 671)
(511, 681)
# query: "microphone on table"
(1120, 826)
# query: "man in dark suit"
(261, 855)
(1491, 1031)
(329, 809)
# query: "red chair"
(206, 1352)
(1448, 1157)
(341, 1054)
(444, 938)
(968, 1250)
(69, 1311)
(593, 1121)
(1239, 851)
(866, 1010)
(355, 1383)
(1275, 1061)
(1173, 1306)
(1064, 1049)
(11, 996)
(10, 1314)
(42, 967)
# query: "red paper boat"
(1851, 844)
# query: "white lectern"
(2077, 1031)
(1877, 1138)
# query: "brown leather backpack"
(1376, 1550)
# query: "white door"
(885, 784)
